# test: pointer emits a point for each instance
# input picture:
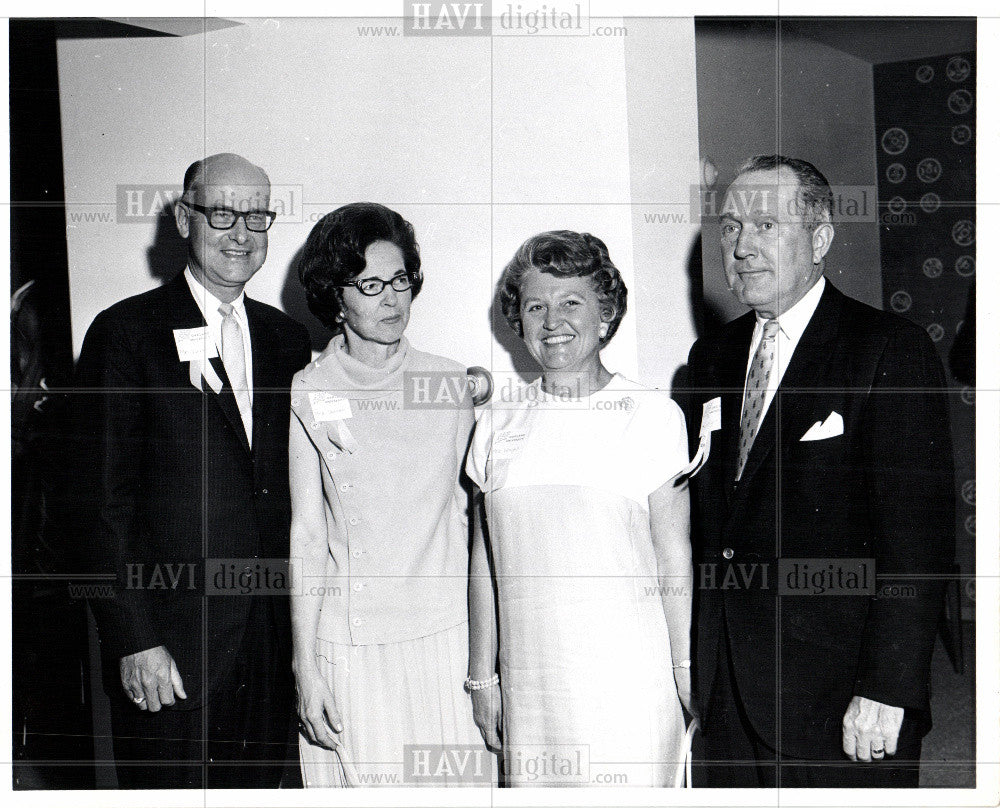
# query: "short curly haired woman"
(379, 526)
(587, 530)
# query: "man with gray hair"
(830, 475)
(183, 396)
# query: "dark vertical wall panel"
(38, 221)
(926, 120)
(51, 708)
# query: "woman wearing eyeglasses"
(379, 539)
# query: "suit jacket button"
(727, 553)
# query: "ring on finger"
(878, 753)
(138, 700)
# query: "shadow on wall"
(705, 314)
(293, 303)
(523, 362)
(167, 255)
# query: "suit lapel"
(266, 365)
(803, 372)
(182, 311)
(179, 308)
(226, 400)
(732, 365)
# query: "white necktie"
(234, 358)
(753, 400)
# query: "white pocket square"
(830, 428)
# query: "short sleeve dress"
(585, 664)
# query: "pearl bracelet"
(482, 684)
(684, 663)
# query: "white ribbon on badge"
(201, 370)
(195, 347)
(335, 410)
(711, 420)
(347, 440)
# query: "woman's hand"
(682, 678)
(487, 712)
(317, 709)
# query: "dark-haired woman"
(379, 540)
(588, 532)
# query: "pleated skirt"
(407, 719)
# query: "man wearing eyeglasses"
(184, 396)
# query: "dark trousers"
(734, 756)
(240, 738)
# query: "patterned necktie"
(234, 358)
(753, 399)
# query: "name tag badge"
(711, 416)
(711, 420)
(195, 344)
(507, 443)
(328, 407)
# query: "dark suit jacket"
(168, 480)
(883, 490)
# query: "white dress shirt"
(209, 305)
(792, 324)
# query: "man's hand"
(871, 729)
(151, 678)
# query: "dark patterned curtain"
(926, 125)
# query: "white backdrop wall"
(480, 142)
(663, 115)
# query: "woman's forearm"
(308, 547)
(676, 583)
(670, 521)
(482, 600)
(309, 554)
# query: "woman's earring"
(603, 331)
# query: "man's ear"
(822, 238)
(182, 216)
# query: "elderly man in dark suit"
(829, 476)
(183, 397)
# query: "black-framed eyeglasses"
(223, 218)
(372, 287)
